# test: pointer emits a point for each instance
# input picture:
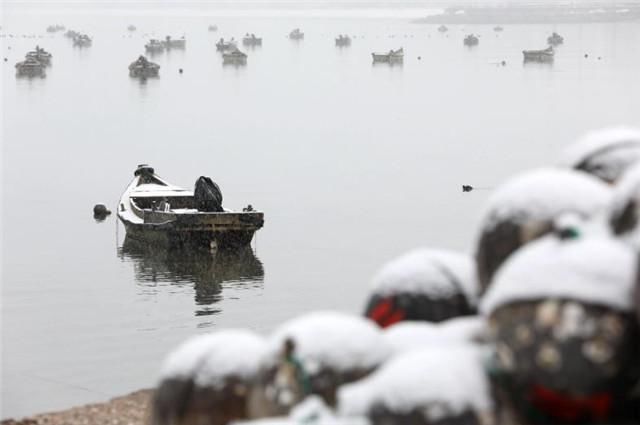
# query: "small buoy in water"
(180, 70)
(5, 59)
(503, 63)
(100, 211)
(599, 58)
(586, 55)
(419, 57)
(467, 188)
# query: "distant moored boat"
(296, 34)
(545, 55)
(555, 39)
(30, 67)
(143, 68)
(392, 56)
(343, 40)
(251, 40)
(471, 40)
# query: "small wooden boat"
(143, 68)
(555, 39)
(343, 40)
(156, 211)
(213, 28)
(296, 34)
(30, 67)
(174, 43)
(498, 28)
(234, 56)
(131, 28)
(393, 56)
(251, 40)
(545, 55)
(471, 40)
(154, 46)
(223, 46)
(55, 28)
(82, 40)
(40, 55)
(443, 28)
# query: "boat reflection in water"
(209, 273)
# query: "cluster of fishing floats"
(540, 325)
(36, 63)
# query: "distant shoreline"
(533, 15)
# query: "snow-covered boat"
(156, 211)
(154, 46)
(143, 68)
(30, 67)
(443, 28)
(251, 40)
(131, 28)
(55, 28)
(555, 39)
(343, 40)
(471, 40)
(390, 56)
(213, 28)
(296, 34)
(223, 46)
(40, 55)
(174, 43)
(545, 55)
(234, 56)
(82, 40)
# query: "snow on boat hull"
(180, 223)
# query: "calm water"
(351, 163)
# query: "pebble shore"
(131, 409)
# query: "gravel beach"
(131, 409)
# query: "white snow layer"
(599, 140)
(312, 411)
(330, 339)
(543, 194)
(594, 269)
(411, 335)
(210, 358)
(430, 272)
(451, 377)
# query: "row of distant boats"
(36, 61)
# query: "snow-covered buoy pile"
(526, 207)
(207, 379)
(315, 354)
(566, 341)
(540, 326)
(443, 385)
(425, 284)
(606, 154)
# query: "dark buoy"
(467, 188)
(586, 55)
(5, 59)
(599, 58)
(419, 57)
(503, 63)
(100, 212)
(180, 70)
